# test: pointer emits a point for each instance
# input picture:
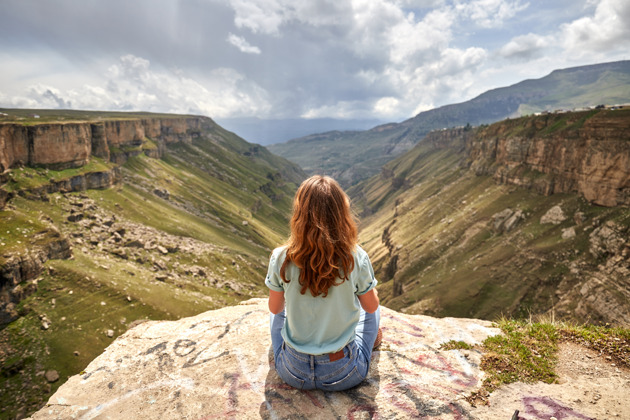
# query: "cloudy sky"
(384, 59)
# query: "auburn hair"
(323, 236)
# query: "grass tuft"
(455, 345)
(527, 352)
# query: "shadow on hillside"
(285, 402)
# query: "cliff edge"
(219, 365)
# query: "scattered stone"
(76, 353)
(507, 220)
(110, 333)
(172, 248)
(568, 233)
(162, 193)
(578, 218)
(135, 243)
(160, 265)
(45, 322)
(51, 376)
(555, 216)
(75, 217)
(162, 249)
(607, 239)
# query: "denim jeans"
(306, 371)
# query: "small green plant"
(455, 345)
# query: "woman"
(325, 336)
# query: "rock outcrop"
(219, 365)
(67, 145)
(17, 271)
(581, 152)
(63, 145)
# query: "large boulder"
(219, 365)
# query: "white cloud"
(268, 16)
(133, 85)
(524, 47)
(608, 29)
(410, 39)
(490, 13)
(387, 107)
(242, 44)
(340, 109)
(261, 16)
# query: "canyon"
(113, 221)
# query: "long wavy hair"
(323, 236)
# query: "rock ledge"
(219, 365)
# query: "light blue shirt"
(318, 325)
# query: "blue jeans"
(306, 371)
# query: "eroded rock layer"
(581, 152)
(66, 145)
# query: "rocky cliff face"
(585, 152)
(19, 271)
(65, 145)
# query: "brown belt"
(335, 356)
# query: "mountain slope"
(458, 225)
(186, 226)
(353, 156)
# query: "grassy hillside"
(178, 236)
(356, 155)
(430, 227)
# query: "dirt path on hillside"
(590, 386)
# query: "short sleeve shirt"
(318, 325)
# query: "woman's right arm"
(369, 301)
(276, 301)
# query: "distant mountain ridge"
(357, 155)
(265, 132)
